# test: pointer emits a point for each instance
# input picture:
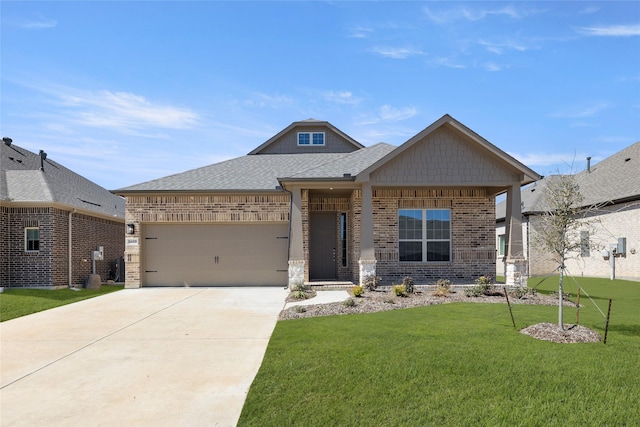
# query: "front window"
(311, 138)
(501, 244)
(424, 235)
(31, 239)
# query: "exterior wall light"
(131, 228)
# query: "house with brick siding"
(612, 189)
(313, 205)
(51, 220)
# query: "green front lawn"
(454, 364)
(20, 302)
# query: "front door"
(322, 248)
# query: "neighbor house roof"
(613, 180)
(22, 181)
(262, 172)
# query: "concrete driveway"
(138, 357)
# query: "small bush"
(300, 309)
(474, 291)
(299, 294)
(299, 290)
(443, 287)
(370, 282)
(522, 291)
(357, 291)
(349, 302)
(400, 290)
(409, 285)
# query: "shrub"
(300, 309)
(299, 290)
(357, 291)
(474, 291)
(522, 291)
(443, 287)
(400, 290)
(370, 282)
(349, 302)
(408, 284)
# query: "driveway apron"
(137, 357)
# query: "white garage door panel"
(215, 255)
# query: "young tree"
(560, 225)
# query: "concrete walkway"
(139, 357)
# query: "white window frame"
(311, 143)
(425, 242)
(26, 239)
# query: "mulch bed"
(384, 299)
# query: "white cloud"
(397, 52)
(611, 30)
(123, 111)
(448, 62)
(38, 24)
(499, 47)
(491, 66)
(360, 32)
(578, 113)
(547, 159)
(265, 100)
(476, 14)
(390, 114)
(342, 97)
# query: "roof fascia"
(124, 193)
(63, 207)
(528, 175)
(306, 124)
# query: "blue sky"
(126, 92)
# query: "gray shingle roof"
(614, 179)
(259, 172)
(23, 181)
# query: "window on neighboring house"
(311, 138)
(501, 244)
(32, 239)
(424, 235)
(585, 245)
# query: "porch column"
(296, 250)
(367, 260)
(514, 261)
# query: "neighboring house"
(51, 220)
(613, 188)
(311, 204)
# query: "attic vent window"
(307, 139)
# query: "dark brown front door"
(322, 248)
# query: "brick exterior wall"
(608, 225)
(196, 208)
(48, 267)
(4, 246)
(472, 234)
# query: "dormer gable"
(309, 136)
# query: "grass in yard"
(20, 302)
(454, 364)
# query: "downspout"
(69, 245)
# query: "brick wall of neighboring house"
(30, 269)
(48, 267)
(607, 226)
(4, 246)
(197, 208)
(88, 233)
(472, 234)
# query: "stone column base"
(516, 273)
(296, 272)
(367, 268)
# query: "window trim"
(423, 239)
(311, 139)
(27, 240)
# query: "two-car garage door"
(214, 255)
